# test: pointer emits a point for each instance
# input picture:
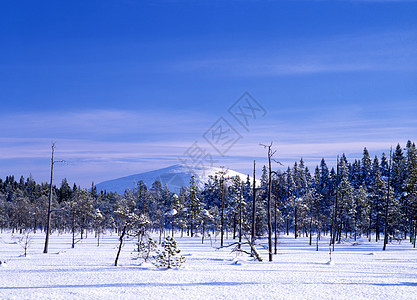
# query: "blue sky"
(124, 87)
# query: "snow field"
(297, 272)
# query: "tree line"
(368, 197)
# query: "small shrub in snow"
(25, 241)
(146, 248)
(169, 257)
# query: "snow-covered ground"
(358, 271)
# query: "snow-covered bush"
(169, 257)
(146, 248)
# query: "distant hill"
(174, 176)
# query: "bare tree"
(335, 208)
(270, 154)
(48, 220)
(253, 207)
(237, 248)
(25, 241)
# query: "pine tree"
(384, 166)
(410, 187)
(355, 176)
(366, 165)
(398, 171)
(156, 209)
(346, 204)
(378, 192)
(300, 181)
(325, 190)
(142, 198)
(222, 195)
(194, 206)
(363, 208)
(234, 203)
(170, 255)
(291, 196)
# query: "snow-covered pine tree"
(410, 187)
(234, 203)
(300, 177)
(98, 224)
(194, 206)
(384, 166)
(398, 171)
(347, 206)
(170, 255)
(363, 207)
(290, 198)
(366, 165)
(142, 198)
(378, 189)
(156, 208)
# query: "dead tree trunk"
(268, 212)
(253, 207)
(240, 215)
(335, 208)
(120, 244)
(48, 220)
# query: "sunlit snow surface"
(358, 271)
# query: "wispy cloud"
(95, 144)
(103, 144)
(99, 124)
(392, 51)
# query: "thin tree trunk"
(172, 225)
(234, 225)
(311, 222)
(202, 232)
(295, 221)
(240, 215)
(48, 221)
(253, 209)
(221, 213)
(334, 229)
(73, 230)
(287, 222)
(276, 226)
(269, 225)
(377, 238)
(120, 245)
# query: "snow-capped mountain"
(174, 176)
